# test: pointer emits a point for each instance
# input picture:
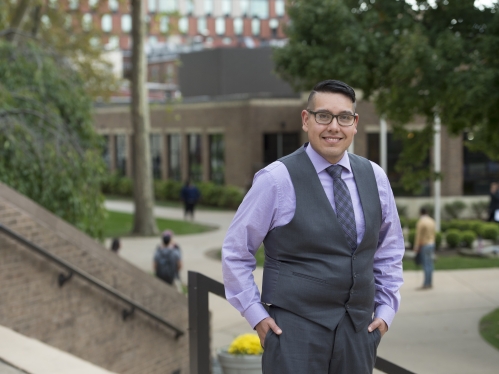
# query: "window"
(260, 8)
(479, 170)
(195, 166)
(244, 4)
(208, 7)
(121, 154)
(220, 26)
(168, 5)
(126, 22)
(152, 6)
(278, 145)
(155, 140)
(174, 157)
(226, 7)
(107, 23)
(189, 7)
(170, 70)
(113, 5)
(91, 3)
(255, 26)
(86, 22)
(274, 25)
(113, 43)
(217, 164)
(105, 151)
(279, 8)
(238, 26)
(163, 24)
(183, 25)
(202, 27)
(74, 4)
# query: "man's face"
(330, 141)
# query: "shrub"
(453, 238)
(467, 238)
(454, 209)
(490, 231)
(480, 209)
(438, 240)
(412, 237)
(231, 197)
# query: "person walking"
(115, 245)
(424, 242)
(333, 248)
(190, 195)
(494, 202)
(167, 261)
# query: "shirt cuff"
(255, 313)
(386, 313)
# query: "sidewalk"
(434, 332)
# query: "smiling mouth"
(331, 139)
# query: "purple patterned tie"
(344, 207)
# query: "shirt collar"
(320, 163)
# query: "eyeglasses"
(325, 118)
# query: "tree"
(49, 150)
(144, 222)
(421, 60)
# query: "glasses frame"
(333, 116)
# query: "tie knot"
(335, 171)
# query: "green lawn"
(457, 262)
(489, 328)
(120, 224)
(168, 203)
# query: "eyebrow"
(327, 111)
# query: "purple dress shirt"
(271, 202)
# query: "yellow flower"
(246, 344)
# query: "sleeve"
(254, 218)
(388, 257)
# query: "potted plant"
(244, 356)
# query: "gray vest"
(309, 268)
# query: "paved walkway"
(434, 332)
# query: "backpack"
(166, 267)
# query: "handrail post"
(199, 325)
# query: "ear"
(355, 124)
(304, 120)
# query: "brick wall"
(79, 318)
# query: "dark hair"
(423, 210)
(332, 86)
(115, 245)
(166, 239)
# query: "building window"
(114, 5)
(183, 25)
(245, 8)
(86, 22)
(126, 23)
(174, 157)
(121, 154)
(479, 170)
(202, 27)
(74, 4)
(238, 26)
(152, 6)
(163, 24)
(277, 145)
(91, 3)
(105, 151)
(113, 43)
(255, 26)
(170, 71)
(168, 5)
(220, 26)
(217, 164)
(195, 166)
(189, 7)
(260, 8)
(156, 155)
(208, 7)
(279, 8)
(107, 23)
(226, 7)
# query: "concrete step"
(20, 355)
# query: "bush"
(455, 209)
(412, 237)
(467, 238)
(480, 209)
(453, 238)
(438, 240)
(490, 231)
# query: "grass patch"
(169, 203)
(456, 263)
(119, 224)
(489, 328)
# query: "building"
(236, 116)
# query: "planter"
(239, 364)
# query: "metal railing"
(199, 326)
(63, 278)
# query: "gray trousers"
(304, 347)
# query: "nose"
(334, 125)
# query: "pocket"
(266, 338)
(377, 337)
(308, 277)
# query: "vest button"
(347, 306)
(351, 292)
(355, 275)
(354, 257)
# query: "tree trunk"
(144, 222)
(17, 20)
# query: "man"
(189, 195)
(333, 248)
(424, 242)
(167, 259)
(494, 202)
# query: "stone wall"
(79, 318)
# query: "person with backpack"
(167, 259)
